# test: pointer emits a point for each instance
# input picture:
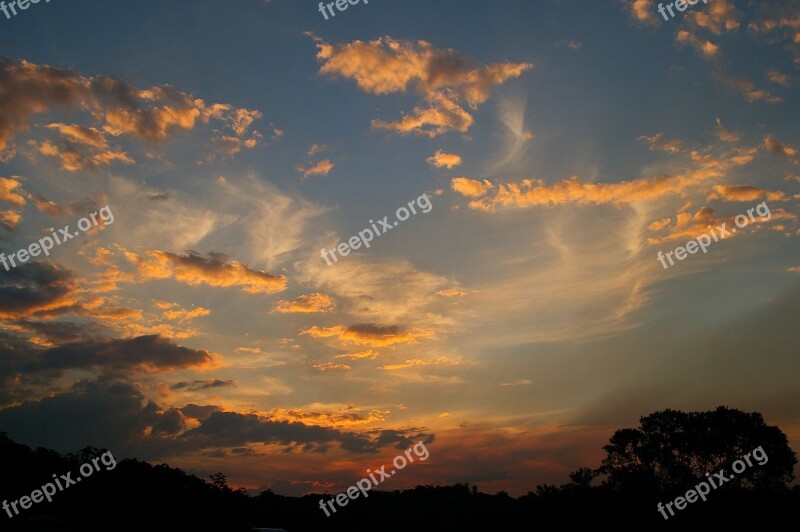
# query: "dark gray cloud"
(203, 385)
(116, 415)
(199, 412)
(35, 289)
(143, 353)
(232, 429)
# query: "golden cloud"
(321, 168)
(369, 354)
(717, 17)
(10, 191)
(642, 11)
(307, 304)
(330, 366)
(441, 159)
(743, 193)
(369, 334)
(706, 48)
(470, 188)
(776, 147)
(118, 109)
(446, 80)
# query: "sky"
(557, 154)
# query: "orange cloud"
(688, 226)
(717, 17)
(441, 159)
(344, 416)
(642, 11)
(530, 193)
(410, 363)
(118, 109)
(307, 304)
(776, 147)
(445, 80)
(451, 292)
(321, 168)
(706, 48)
(9, 220)
(470, 188)
(746, 87)
(778, 77)
(215, 269)
(657, 142)
(743, 193)
(724, 135)
(369, 334)
(329, 366)
(10, 191)
(368, 354)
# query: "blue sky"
(522, 320)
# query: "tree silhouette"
(672, 450)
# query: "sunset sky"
(513, 328)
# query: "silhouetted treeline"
(652, 464)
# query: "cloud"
(194, 386)
(9, 220)
(724, 135)
(470, 188)
(11, 191)
(746, 87)
(642, 11)
(776, 147)
(719, 16)
(37, 289)
(451, 292)
(330, 366)
(658, 143)
(658, 225)
(151, 115)
(231, 429)
(410, 363)
(516, 137)
(530, 193)
(520, 382)
(183, 315)
(320, 168)
(688, 226)
(343, 416)
(214, 269)
(307, 303)
(743, 193)
(146, 354)
(441, 159)
(369, 354)
(369, 334)
(445, 80)
(73, 208)
(536, 193)
(778, 77)
(706, 48)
